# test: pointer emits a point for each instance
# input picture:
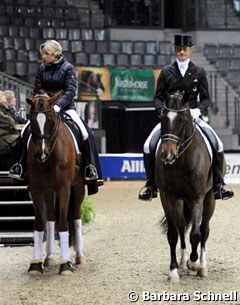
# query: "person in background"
(184, 75)
(56, 74)
(12, 105)
(91, 115)
(8, 132)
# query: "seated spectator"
(8, 132)
(11, 102)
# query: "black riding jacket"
(55, 77)
(194, 81)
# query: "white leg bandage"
(50, 240)
(64, 244)
(78, 237)
(38, 241)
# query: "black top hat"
(183, 40)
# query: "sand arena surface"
(126, 251)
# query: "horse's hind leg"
(50, 200)
(78, 194)
(208, 210)
(193, 262)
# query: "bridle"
(182, 142)
(50, 137)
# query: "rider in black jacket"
(57, 74)
(184, 75)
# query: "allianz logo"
(130, 83)
(132, 166)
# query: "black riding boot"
(219, 187)
(90, 171)
(149, 191)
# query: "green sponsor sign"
(132, 85)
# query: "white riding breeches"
(74, 116)
(146, 146)
(202, 123)
(157, 128)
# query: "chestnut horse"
(56, 185)
(183, 173)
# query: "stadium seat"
(211, 52)
(89, 46)
(222, 65)
(87, 34)
(151, 47)
(127, 47)
(61, 33)
(162, 60)
(109, 60)
(48, 33)
(102, 46)
(164, 48)
(81, 59)
(76, 46)
(95, 59)
(21, 68)
(149, 61)
(225, 50)
(115, 46)
(136, 61)
(123, 60)
(139, 47)
(74, 34)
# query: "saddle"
(76, 132)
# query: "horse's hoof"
(193, 266)
(35, 268)
(203, 272)
(79, 260)
(173, 277)
(49, 261)
(66, 268)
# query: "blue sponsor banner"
(122, 166)
(131, 166)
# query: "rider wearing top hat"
(184, 75)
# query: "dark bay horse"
(183, 175)
(56, 185)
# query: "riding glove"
(56, 108)
(195, 113)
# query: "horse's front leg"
(193, 262)
(172, 236)
(36, 265)
(66, 266)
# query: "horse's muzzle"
(169, 151)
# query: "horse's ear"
(29, 101)
(56, 96)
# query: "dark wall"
(126, 131)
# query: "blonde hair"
(9, 94)
(51, 47)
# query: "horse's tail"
(186, 216)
